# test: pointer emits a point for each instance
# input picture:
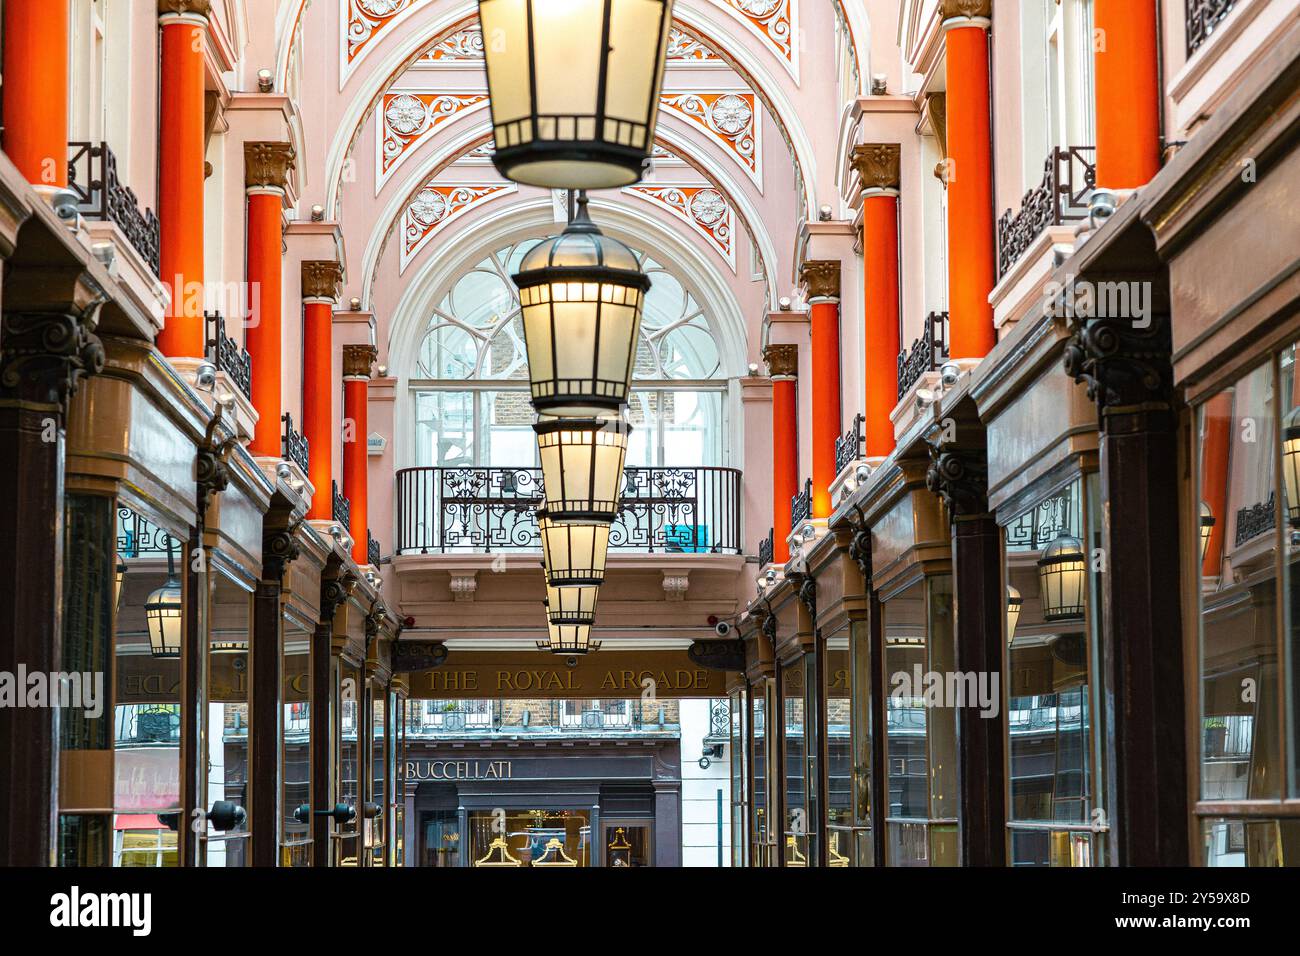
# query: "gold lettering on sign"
(459, 770)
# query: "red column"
(821, 279)
(1127, 89)
(36, 90)
(783, 366)
(878, 166)
(357, 361)
(267, 168)
(181, 175)
(971, 256)
(320, 283)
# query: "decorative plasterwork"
(730, 118)
(775, 23)
(463, 585)
(363, 21)
(703, 208)
(463, 46)
(435, 205)
(676, 584)
(684, 48)
(407, 119)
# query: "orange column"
(821, 279)
(266, 167)
(181, 175)
(783, 366)
(1127, 88)
(878, 166)
(357, 360)
(36, 90)
(971, 256)
(320, 285)
(1216, 441)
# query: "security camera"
(283, 471)
(64, 202)
(205, 376)
(722, 629)
(924, 398)
(1101, 206)
(949, 374)
(335, 530)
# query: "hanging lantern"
(1291, 466)
(554, 855)
(498, 854)
(164, 612)
(568, 639)
(1014, 603)
(581, 294)
(574, 553)
(1062, 578)
(574, 88)
(571, 605)
(119, 578)
(1207, 529)
(582, 467)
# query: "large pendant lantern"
(571, 605)
(582, 467)
(581, 295)
(1062, 579)
(164, 613)
(568, 639)
(574, 88)
(573, 553)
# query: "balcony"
(928, 353)
(1062, 196)
(451, 719)
(227, 355)
(1203, 16)
(483, 510)
(92, 175)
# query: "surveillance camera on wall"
(949, 374)
(283, 471)
(722, 629)
(64, 202)
(205, 376)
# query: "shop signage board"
(641, 675)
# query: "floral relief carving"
(682, 47)
(729, 118)
(435, 205)
(409, 118)
(775, 22)
(366, 18)
(463, 45)
(703, 208)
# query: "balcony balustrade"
(928, 353)
(1062, 196)
(92, 175)
(340, 506)
(227, 355)
(1203, 16)
(848, 447)
(456, 718)
(670, 510)
(767, 548)
(294, 445)
(801, 506)
(374, 553)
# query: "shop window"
(795, 743)
(739, 751)
(229, 634)
(837, 682)
(351, 762)
(375, 826)
(758, 760)
(628, 843)
(440, 838)
(536, 838)
(295, 756)
(1054, 810)
(920, 733)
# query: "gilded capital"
(358, 359)
(821, 277)
(321, 279)
(957, 9)
(268, 164)
(782, 360)
(195, 8)
(878, 165)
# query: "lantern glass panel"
(568, 639)
(571, 605)
(574, 553)
(574, 87)
(582, 467)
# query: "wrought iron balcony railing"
(801, 505)
(719, 719)
(1068, 177)
(340, 506)
(92, 175)
(1203, 16)
(927, 354)
(226, 354)
(374, 553)
(675, 510)
(848, 447)
(1255, 520)
(451, 718)
(294, 445)
(767, 548)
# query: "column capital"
(358, 359)
(321, 279)
(821, 277)
(185, 8)
(782, 360)
(267, 165)
(980, 12)
(1126, 368)
(878, 165)
(45, 355)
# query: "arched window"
(470, 377)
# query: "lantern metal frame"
(569, 639)
(1206, 531)
(574, 553)
(571, 605)
(1291, 466)
(532, 146)
(593, 441)
(164, 606)
(549, 291)
(1015, 603)
(1064, 556)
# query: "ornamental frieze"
(703, 208)
(728, 118)
(408, 119)
(775, 23)
(435, 205)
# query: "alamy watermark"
(964, 689)
(67, 690)
(1084, 299)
